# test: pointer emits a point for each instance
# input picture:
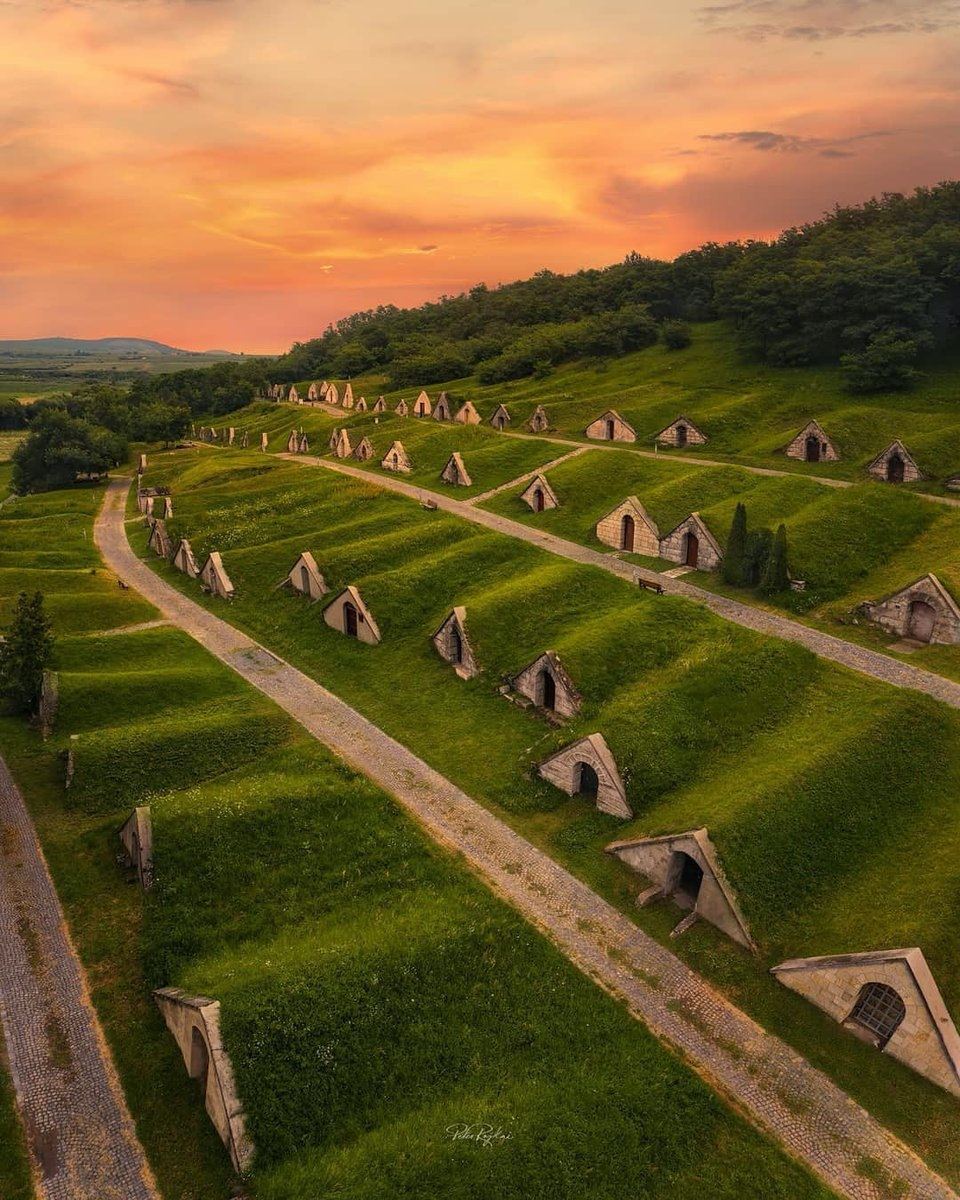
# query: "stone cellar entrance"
(588, 782)
(922, 620)
(877, 1013)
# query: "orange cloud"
(239, 173)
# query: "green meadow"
(848, 544)
(491, 459)
(374, 994)
(749, 411)
(796, 767)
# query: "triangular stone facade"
(305, 577)
(347, 401)
(629, 527)
(539, 495)
(467, 414)
(455, 472)
(441, 410)
(600, 781)
(888, 998)
(703, 889)
(538, 421)
(159, 540)
(895, 465)
(304, 446)
(501, 417)
(396, 459)
(364, 450)
(313, 392)
(348, 614)
(692, 544)
(422, 406)
(333, 395)
(611, 427)
(380, 405)
(546, 683)
(811, 444)
(293, 442)
(924, 611)
(184, 560)
(214, 577)
(342, 447)
(401, 410)
(453, 645)
(681, 432)
(361, 405)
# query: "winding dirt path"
(762, 1076)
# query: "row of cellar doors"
(691, 543)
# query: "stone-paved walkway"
(779, 1090)
(847, 654)
(82, 1141)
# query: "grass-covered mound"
(490, 458)
(374, 994)
(749, 410)
(841, 540)
(683, 699)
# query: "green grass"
(490, 458)
(374, 994)
(15, 1176)
(749, 411)
(796, 767)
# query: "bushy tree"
(24, 653)
(676, 335)
(756, 556)
(886, 363)
(732, 565)
(60, 449)
(776, 575)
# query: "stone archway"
(587, 780)
(199, 1060)
(895, 468)
(921, 620)
(547, 690)
(812, 448)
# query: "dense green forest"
(869, 286)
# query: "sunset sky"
(237, 173)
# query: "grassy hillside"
(682, 698)
(374, 993)
(748, 410)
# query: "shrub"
(776, 575)
(676, 335)
(732, 567)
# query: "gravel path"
(825, 645)
(82, 1141)
(763, 1077)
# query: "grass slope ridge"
(683, 700)
(374, 994)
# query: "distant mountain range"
(136, 347)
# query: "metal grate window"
(879, 1009)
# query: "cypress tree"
(776, 577)
(24, 653)
(732, 568)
